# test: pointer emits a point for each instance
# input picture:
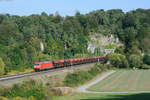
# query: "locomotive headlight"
(36, 65)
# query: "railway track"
(9, 77)
(18, 76)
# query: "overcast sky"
(68, 7)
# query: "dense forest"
(67, 37)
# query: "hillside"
(68, 37)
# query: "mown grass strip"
(105, 82)
(114, 83)
(130, 85)
(141, 79)
(124, 80)
(145, 81)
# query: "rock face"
(59, 91)
(42, 46)
(100, 41)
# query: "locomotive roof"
(43, 62)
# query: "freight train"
(45, 65)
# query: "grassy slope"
(138, 79)
(124, 80)
(142, 96)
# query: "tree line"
(67, 37)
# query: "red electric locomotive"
(43, 65)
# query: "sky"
(67, 7)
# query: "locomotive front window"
(36, 64)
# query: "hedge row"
(80, 77)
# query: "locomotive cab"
(37, 66)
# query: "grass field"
(83, 96)
(124, 80)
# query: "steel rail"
(9, 77)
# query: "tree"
(2, 65)
(135, 61)
(146, 59)
(67, 37)
(32, 54)
(118, 60)
(145, 45)
(8, 32)
(130, 20)
(120, 50)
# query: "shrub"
(76, 78)
(117, 60)
(95, 70)
(20, 98)
(103, 67)
(80, 77)
(144, 66)
(1, 67)
(29, 90)
(135, 61)
(3, 98)
(146, 59)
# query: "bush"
(118, 60)
(135, 61)
(144, 66)
(29, 90)
(80, 77)
(95, 70)
(1, 67)
(20, 98)
(146, 59)
(76, 78)
(3, 98)
(104, 67)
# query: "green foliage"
(67, 37)
(118, 60)
(135, 61)
(3, 98)
(144, 66)
(146, 59)
(20, 98)
(120, 50)
(145, 45)
(2, 66)
(110, 46)
(95, 70)
(80, 77)
(28, 90)
(77, 78)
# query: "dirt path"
(84, 87)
